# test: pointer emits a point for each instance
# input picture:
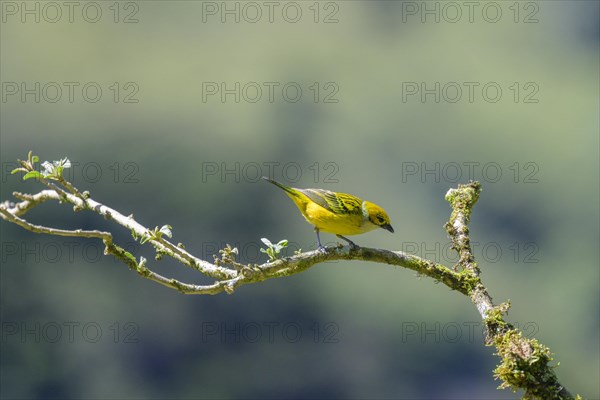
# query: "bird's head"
(377, 216)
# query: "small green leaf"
(59, 167)
(14, 171)
(273, 250)
(32, 174)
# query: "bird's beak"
(388, 227)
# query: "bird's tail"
(288, 189)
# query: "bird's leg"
(353, 245)
(321, 247)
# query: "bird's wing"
(338, 203)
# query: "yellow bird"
(337, 213)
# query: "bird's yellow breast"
(327, 221)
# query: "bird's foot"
(353, 246)
(322, 249)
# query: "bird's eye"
(380, 219)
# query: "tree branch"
(462, 201)
(229, 278)
(525, 362)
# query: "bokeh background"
(167, 140)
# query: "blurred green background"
(163, 141)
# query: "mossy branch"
(525, 363)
